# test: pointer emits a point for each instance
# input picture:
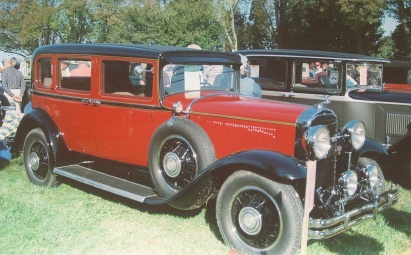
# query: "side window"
(43, 75)
(322, 76)
(127, 78)
(270, 74)
(364, 74)
(75, 74)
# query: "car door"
(67, 100)
(124, 115)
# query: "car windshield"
(364, 74)
(184, 78)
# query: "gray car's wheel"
(178, 152)
(256, 215)
(36, 155)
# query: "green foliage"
(342, 25)
(177, 23)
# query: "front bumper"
(325, 228)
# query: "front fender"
(38, 118)
(372, 149)
(270, 164)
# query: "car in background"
(281, 172)
(349, 84)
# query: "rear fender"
(38, 118)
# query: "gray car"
(349, 84)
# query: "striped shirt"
(13, 79)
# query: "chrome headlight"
(349, 182)
(354, 134)
(317, 142)
(372, 175)
(177, 107)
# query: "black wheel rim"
(256, 218)
(38, 161)
(178, 162)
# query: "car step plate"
(109, 183)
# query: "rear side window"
(43, 75)
(269, 73)
(75, 74)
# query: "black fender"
(270, 164)
(371, 149)
(38, 118)
(403, 144)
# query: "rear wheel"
(259, 216)
(36, 155)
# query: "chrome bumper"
(325, 228)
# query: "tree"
(227, 11)
(75, 21)
(260, 31)
(401, 11)
(27, 25)
(177, 23)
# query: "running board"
(109, 183)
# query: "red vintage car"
(166, 125)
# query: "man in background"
(248, 86)
(13, 84)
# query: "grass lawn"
(75, 219)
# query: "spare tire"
(179, 151)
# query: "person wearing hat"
(248, 86)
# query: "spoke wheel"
(179, 151)
(178, 162)
(39, 160)
(36, 155)
(256, 215)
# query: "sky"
(388, 25)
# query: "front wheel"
(259, 216)
(36, 155)
(178, 153)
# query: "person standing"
(13, 84)
(248, 86)
(2, 67)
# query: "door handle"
(286, 94)
(95, 102)
(85, 101)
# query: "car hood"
(233, 105)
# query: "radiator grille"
(396, 123)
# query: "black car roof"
(399, 63)
(291, 53)
(169, 53)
